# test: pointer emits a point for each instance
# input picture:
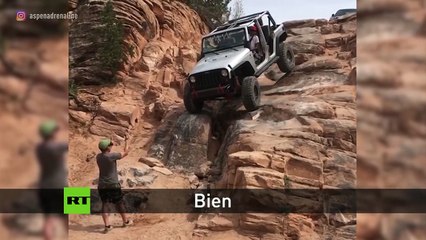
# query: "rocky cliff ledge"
(303, 136)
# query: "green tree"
(112, 49)
(213, 12)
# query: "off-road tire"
(192, 106)
(250, 93)
(286, 62)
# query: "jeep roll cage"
(248, 20)
(244, 22)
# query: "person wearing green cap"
(50, 154)
(109, 187)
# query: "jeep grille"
(207, 80)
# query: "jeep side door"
(267, 27)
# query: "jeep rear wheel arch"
(282, 37)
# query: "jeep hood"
(222, 59)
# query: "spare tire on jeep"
(250, 93)
(286, 62)
(192, 105)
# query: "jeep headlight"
(192, 79)
(224, 73)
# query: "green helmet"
(104, 144)
(47, 128)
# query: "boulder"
(304, 31)
(244, 158)
(307, 48)
(321, 22)
(303, 168)
(302, 57)
(144, 180)
(300, 227)
(100, 127)
(314, 109)
(267, 223)
(337, 40)
(344, 55)
(319, 64)
(314, 38)
(349, 45)
(80, 117)
(153, 53)
(163, 170)
(165, 77)
(349, 26)
(203, 170)
(140, 171)
(300, 23)
(249, 177)
(122, 115)
(214, 222)
(151, 162)
(378, 74)
(193, 181)
(331, 28)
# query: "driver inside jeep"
(255, 46)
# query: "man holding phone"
(109, 186)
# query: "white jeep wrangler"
(228, 69)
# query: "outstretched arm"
(126, 148)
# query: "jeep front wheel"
(192, 105)
(286, 62)
(250, 92)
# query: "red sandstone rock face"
(303, 136)
(158, 31)
(165, 36)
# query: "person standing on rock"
(109, 187)
(50, 154)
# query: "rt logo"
(77, 200)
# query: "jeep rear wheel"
(250, 92)
(286, 61)
(192, 105)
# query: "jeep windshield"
(220, 41)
